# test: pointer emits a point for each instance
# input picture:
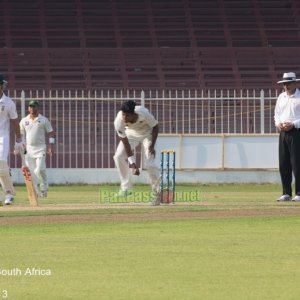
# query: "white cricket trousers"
(5, 177)
(37, 167)
(122, 165)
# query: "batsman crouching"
(136, 125)
(34, 128)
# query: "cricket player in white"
(8, 114)
(136, 125)
(34, 128)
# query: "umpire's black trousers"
(289, 160)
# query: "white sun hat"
(288, 77)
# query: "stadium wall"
(102, 176)
(199, 159)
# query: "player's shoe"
(296, 198)
(285, 198)
(43, 194)
(9, 199)
(124, 193)
(156, 199)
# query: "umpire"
(287, 120)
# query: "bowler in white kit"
(136, 125)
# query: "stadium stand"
(148, 44)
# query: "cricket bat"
(31, 192)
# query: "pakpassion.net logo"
(109, 196)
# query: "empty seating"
(149, 44)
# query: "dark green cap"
(2, 79)
(33, 103)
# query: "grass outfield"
(93, 194)
(86, 199)
(193, 258)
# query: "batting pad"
(5, 178)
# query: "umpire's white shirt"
(35, 132)
(7, 112)
(139, 130)
(287, 109)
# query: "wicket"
(166, 195)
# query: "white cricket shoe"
(285, 198)
(9, 199)
(296, 198)
(156, 199)
(43, 194)
(124, 193)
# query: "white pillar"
(22, 104)
(142, 98)
(262, 111)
